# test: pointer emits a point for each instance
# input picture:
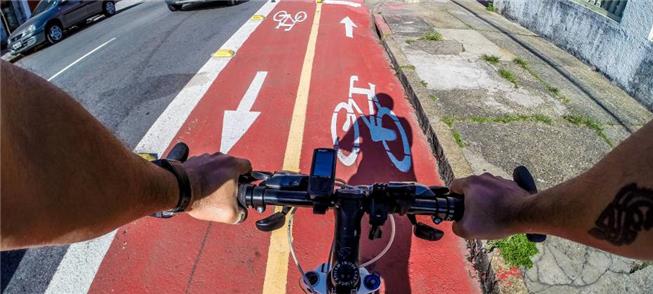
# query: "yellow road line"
(276, 270)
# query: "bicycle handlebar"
(395, 197)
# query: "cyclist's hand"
(214, 181)
(491, 204)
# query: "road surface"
(279, 87)
(126, 84)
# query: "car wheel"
(174, 7)
(109, 8)
(54, 33)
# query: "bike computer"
(322, 177)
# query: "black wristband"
(185, 192)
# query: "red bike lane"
(345, 64)
(185, 255)
(182, 254)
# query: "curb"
(8, 57)
(494, 275)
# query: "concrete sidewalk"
(492, 95)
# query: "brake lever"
(254, 176)
(273, 222)
(179, 152)
(424, 231)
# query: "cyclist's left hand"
(214, 182)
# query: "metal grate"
(614, 8)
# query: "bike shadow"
(375, 166)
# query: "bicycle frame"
(343, 265)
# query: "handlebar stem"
(349, 211)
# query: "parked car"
(175, 5)
(52, 17)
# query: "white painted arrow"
(349, 26)
(236, 122)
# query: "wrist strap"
(185, 192)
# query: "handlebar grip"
(242, 194)
(525, 180)
(458, 205)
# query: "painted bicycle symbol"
(353, 114)
(287, 20)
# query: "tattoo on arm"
(630, 212)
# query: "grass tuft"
(410, 41)
(516, 250)
(424, 83)
(457, 137)
(490, 7)
(409, 66)
(433, 97)
(555, 91)
(432, 36)
(448, 120)
(508, 118)
(508, 75)
(586, 121)
(490, 58)
(520, 62)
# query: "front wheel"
(109, 8)
(174, 7)
(54, 33)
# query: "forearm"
(610, 206)
(65, 178)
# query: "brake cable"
(291, 216)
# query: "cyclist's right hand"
(491, 206)
(214, 184)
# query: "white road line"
(236, 122)
(81, 58)
(82, 260)
(342, 2)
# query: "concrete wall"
(622, 50)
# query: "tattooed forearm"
(630, 212)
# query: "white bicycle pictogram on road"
(287, 20)
(374, 122)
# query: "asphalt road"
(126, 84)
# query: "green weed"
(555, 91)
(433, 97)
(520, 62)
(424, 83)
(432, 36)
(586, 121)
(508, 75)
(490, 7)
(508, 118)
(448, 120)
(490, 58)
(516, 250)
(551, 89)
(409, 66)
(458, 138)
